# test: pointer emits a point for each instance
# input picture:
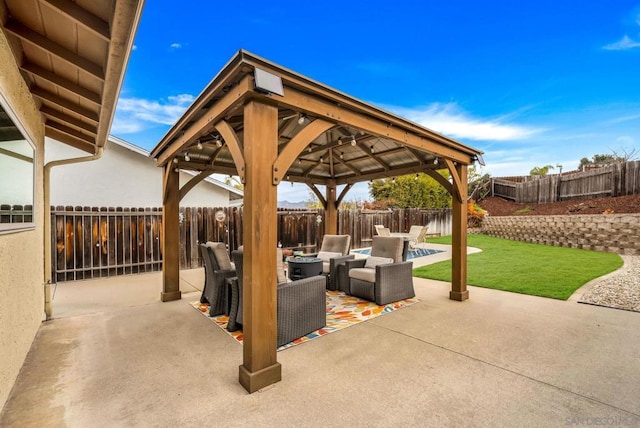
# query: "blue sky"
(529, 83)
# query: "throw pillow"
(373, 261)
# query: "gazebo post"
(260, 367)
(331, 210)
(459, 237)
(170, 235)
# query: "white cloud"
(625, 43)
(452, 121)
(175, 45)
(136, 114)
(134, 47)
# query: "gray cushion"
(387, 246)
(327, 255)
(326, 267)
(221, 255)
(363, 274)
(373, 261)
(336, 244)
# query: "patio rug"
(342, 311)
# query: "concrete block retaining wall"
(616, 233)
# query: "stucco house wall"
(21, 253)
(123, 177)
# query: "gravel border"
(619, 290)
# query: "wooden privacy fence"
(90, 242)
(614, 180)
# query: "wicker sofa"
(301, 307)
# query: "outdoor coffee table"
(304, 267)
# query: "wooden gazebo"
(267, 124)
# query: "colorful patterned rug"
(342, 311)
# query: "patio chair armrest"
(333, 269)
(354, 263)
(394, 282)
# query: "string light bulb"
(372, 149)
(341, 155)
(218, 141)
(175, 160)
(199, 145)
(321, 160)
(416, 177)
(339, 141)
(187, 157)
(301, 119)
(353, 140)
(393, 180)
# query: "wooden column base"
(255, 381)
(459, 295)
(170, 296)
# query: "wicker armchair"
(217, 268)
(383, 277)
(301, 305)
(334, 252)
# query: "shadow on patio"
(115, 356)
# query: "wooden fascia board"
(233, 143)
(296, 145)
(213, 115)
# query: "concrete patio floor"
(115, 356)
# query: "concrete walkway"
(116, 356)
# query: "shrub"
(475, 214)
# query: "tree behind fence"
(90, 242)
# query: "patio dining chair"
(217, 268)
(416, 235)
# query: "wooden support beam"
(82, 17)
(204, 123)
(343, 194)
(68, 85)
(457, 181)
(64, 103)
(38, 40)
(51, 124)
(80, 144)
(57, 115)
(170, 235)
(234, 145)
(260, 367)
(296, 146)
(331, 210)
(459, 239)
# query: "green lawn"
(521, 267)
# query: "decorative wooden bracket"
(457, 184)
(319, 194)
(440, 179)
(193, 182)
(233, 143)
(296, 146)
(343, 194)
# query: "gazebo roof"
(322, 123)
